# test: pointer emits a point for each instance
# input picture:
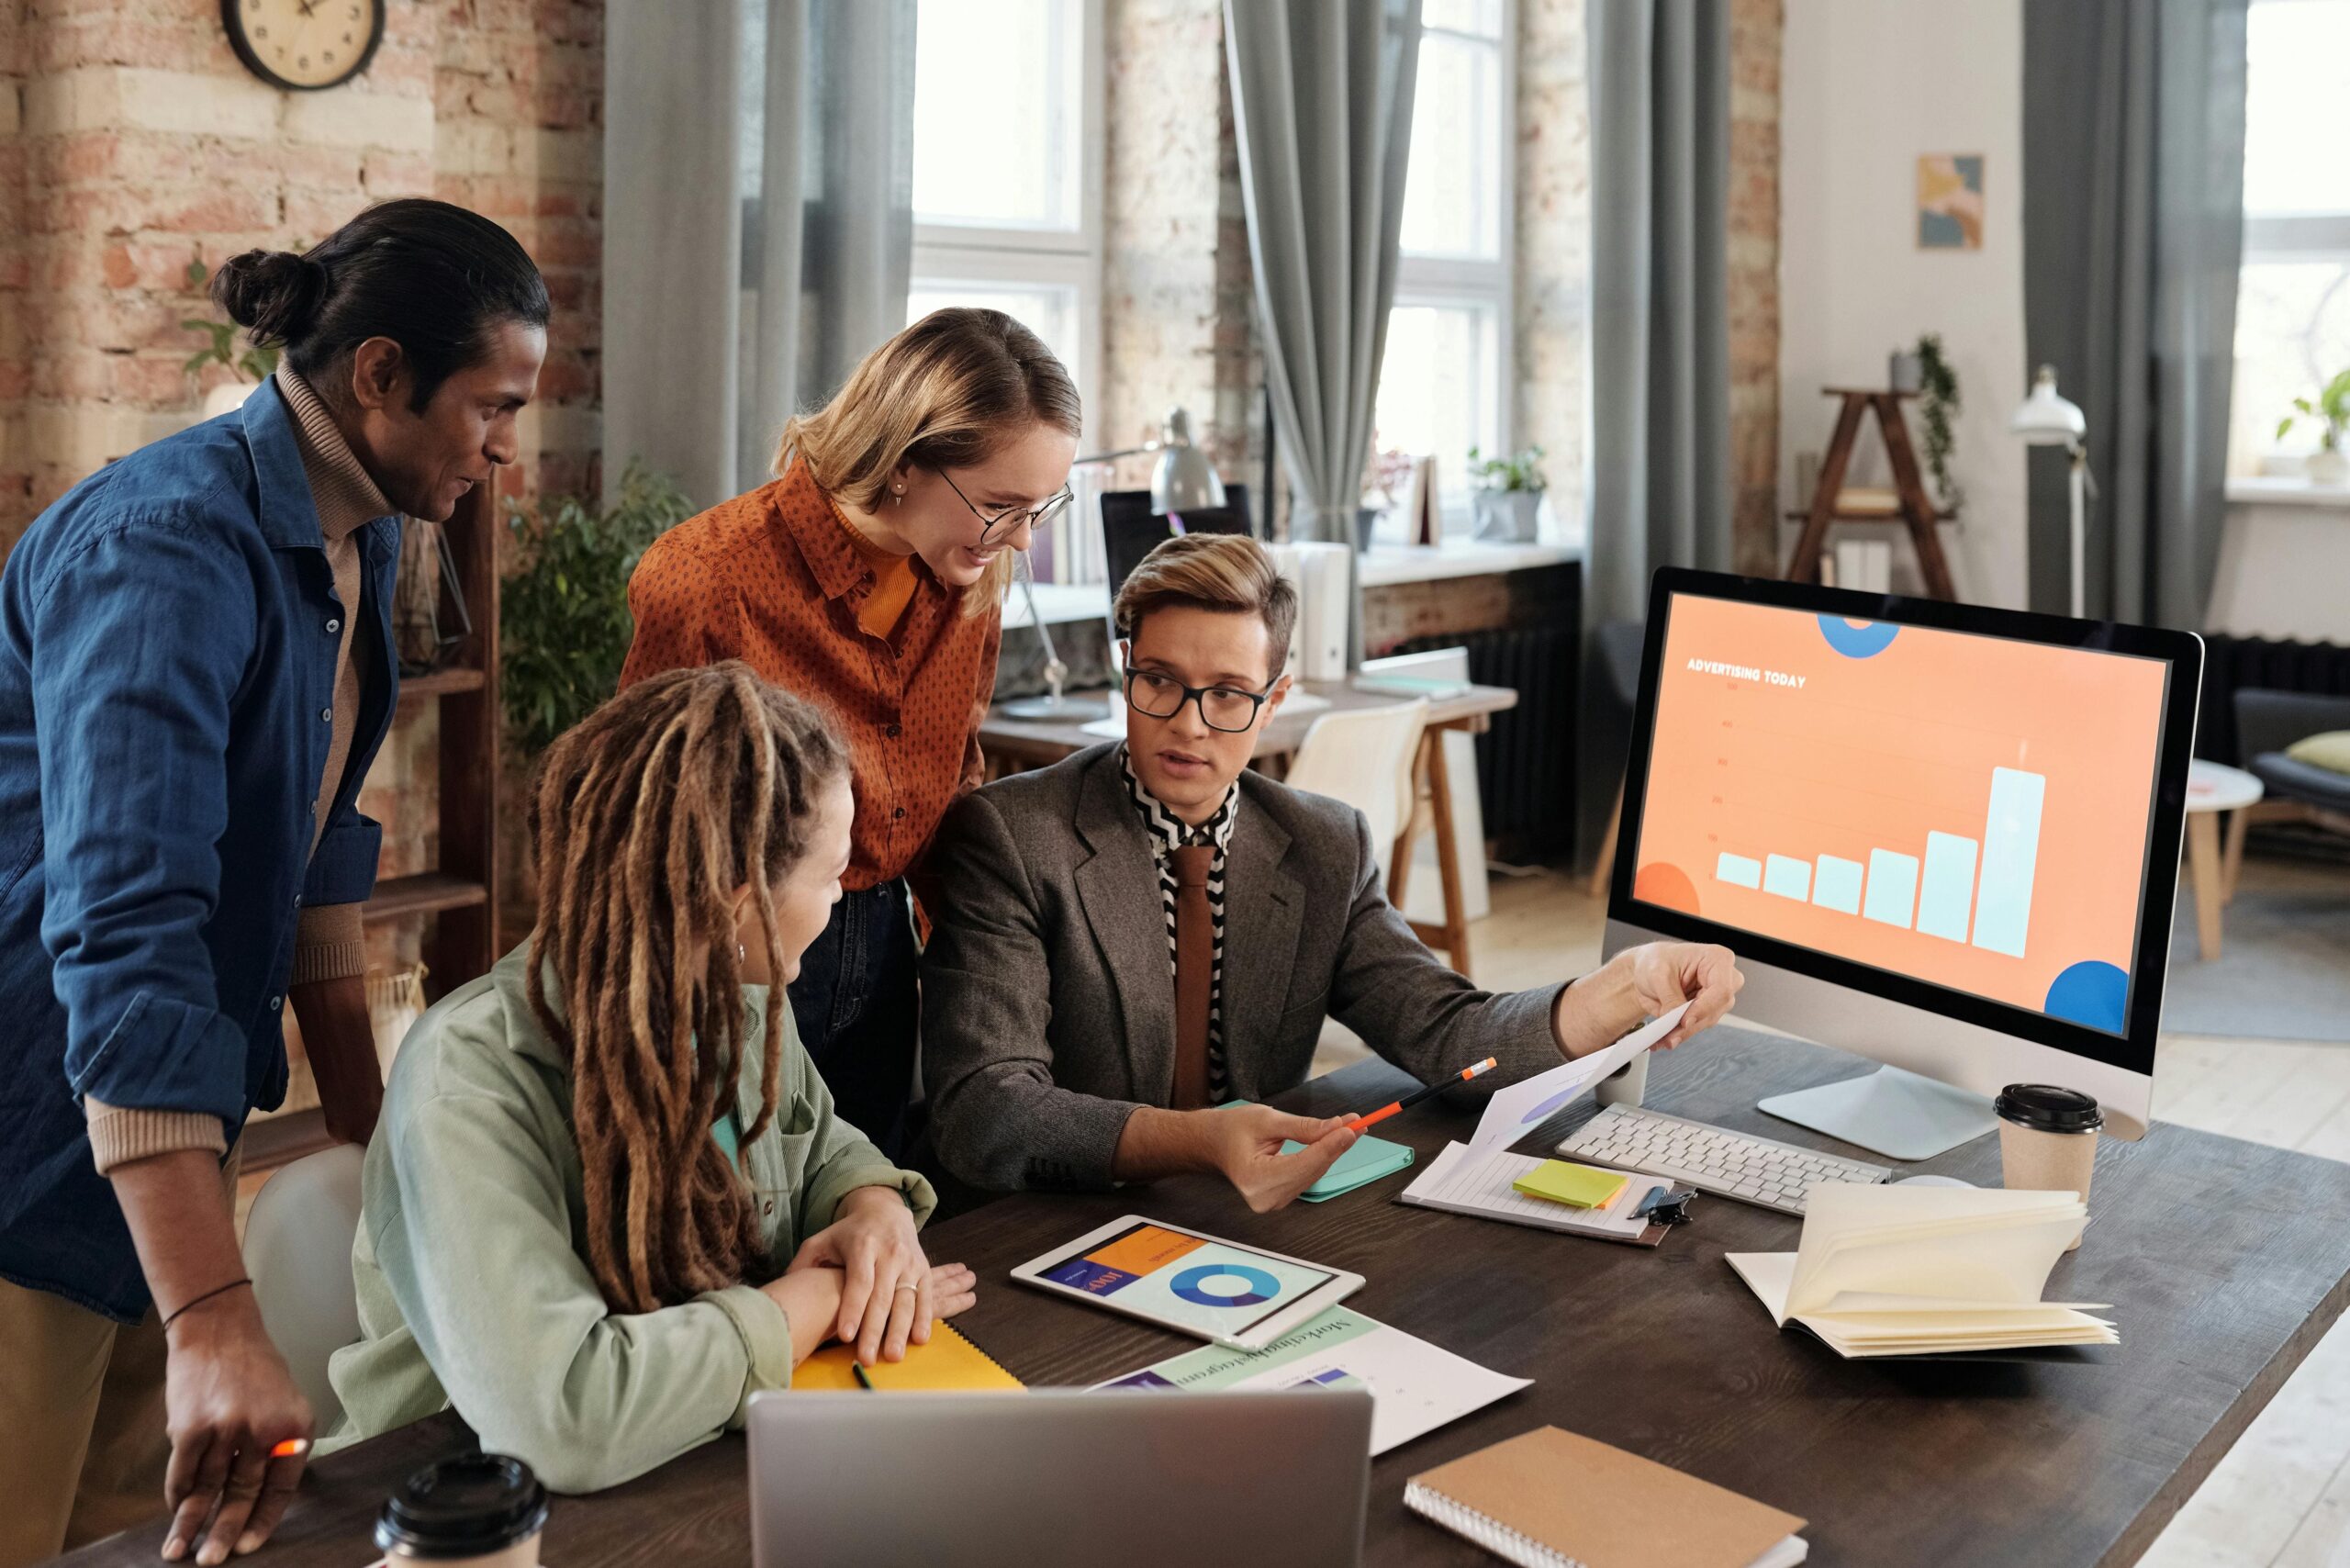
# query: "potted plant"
(1509, 495)
(563, 624)
(2328, 465)
(1939, 382)
(255, 366)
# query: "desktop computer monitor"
(1942, 837)
(1129, 530)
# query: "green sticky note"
(1577, 1186)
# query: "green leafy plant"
(1941, 402)
(255, 365)
(2331, 407)
(1523, 472)
(563, 624)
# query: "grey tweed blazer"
(1048, 1011)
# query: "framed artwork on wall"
(1949, 201)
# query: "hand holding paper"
(1514, 1112)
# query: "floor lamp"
(2043, 419)
(1182, 480)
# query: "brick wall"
(132, 141)
(1756, 28)
(1178, 315)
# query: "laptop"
(1129, 531)
(1140, 1479)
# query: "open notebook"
(1550, 1499)
(1927, 1271)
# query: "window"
(1445, 384)
(2293, 297)
(1007, 172)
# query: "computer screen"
(1973, 811)
(1129, 531)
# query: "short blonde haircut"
(1230, 573)
(948, 392)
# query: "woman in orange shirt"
(870, 579)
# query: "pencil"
(1368, 1117)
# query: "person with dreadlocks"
(610, 1197)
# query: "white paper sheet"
(1415, 1386)
(1464, 1181)
(1516, 1111)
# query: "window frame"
(949, 254)
(1449, 281)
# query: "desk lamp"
(2046, 420)
(1181, 479)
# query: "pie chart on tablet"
(1225, 1285)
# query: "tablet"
(1193, 1283)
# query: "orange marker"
(292, 1448)
(1408, 1101)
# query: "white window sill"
(2290, 492)
(1385, 565)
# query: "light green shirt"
(471, 1261)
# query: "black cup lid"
(464, 1508)
(2044, 1107)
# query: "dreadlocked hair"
(645, 819)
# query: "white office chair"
(297, 1250)
(1364, 757)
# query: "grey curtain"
(759, 231)
(2132, 231)
(1657, 490)
(1322, 108)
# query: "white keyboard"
(1727, 1164)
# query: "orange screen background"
(1877, 748)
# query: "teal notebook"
(1369, 1159)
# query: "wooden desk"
(2226, 1261)
(1036, 742)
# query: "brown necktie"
(1194, 973)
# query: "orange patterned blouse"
(773, 577)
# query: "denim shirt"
(168, 637)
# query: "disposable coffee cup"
(483, 1510)
(2048, 1139)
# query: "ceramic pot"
(1507, 516)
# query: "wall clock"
(304, 45)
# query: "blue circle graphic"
(2093, 992)
(1864, 641)
(1257, 1286)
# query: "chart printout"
(1968, 811)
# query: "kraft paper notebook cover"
(948, 1362)
(1549, 1497)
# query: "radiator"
(2231, 664)
(1525, 763)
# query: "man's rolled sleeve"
(343, 867)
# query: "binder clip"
(1673, 1210)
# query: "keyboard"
(1712, 1159)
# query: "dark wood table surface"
(2226, 1262)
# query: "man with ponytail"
(631, 1078)
(196, 669)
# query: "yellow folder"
(948, 1362)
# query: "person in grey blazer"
(1057, 1051)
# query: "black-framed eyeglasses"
(1228, 708)
(1036, 516)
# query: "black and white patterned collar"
(1169, 831)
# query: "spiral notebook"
(1549, 1499)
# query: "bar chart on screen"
(1903, 796)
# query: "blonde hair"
(947, 392)
(1230, 573)
(645, 817)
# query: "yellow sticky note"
(1577, 1186)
